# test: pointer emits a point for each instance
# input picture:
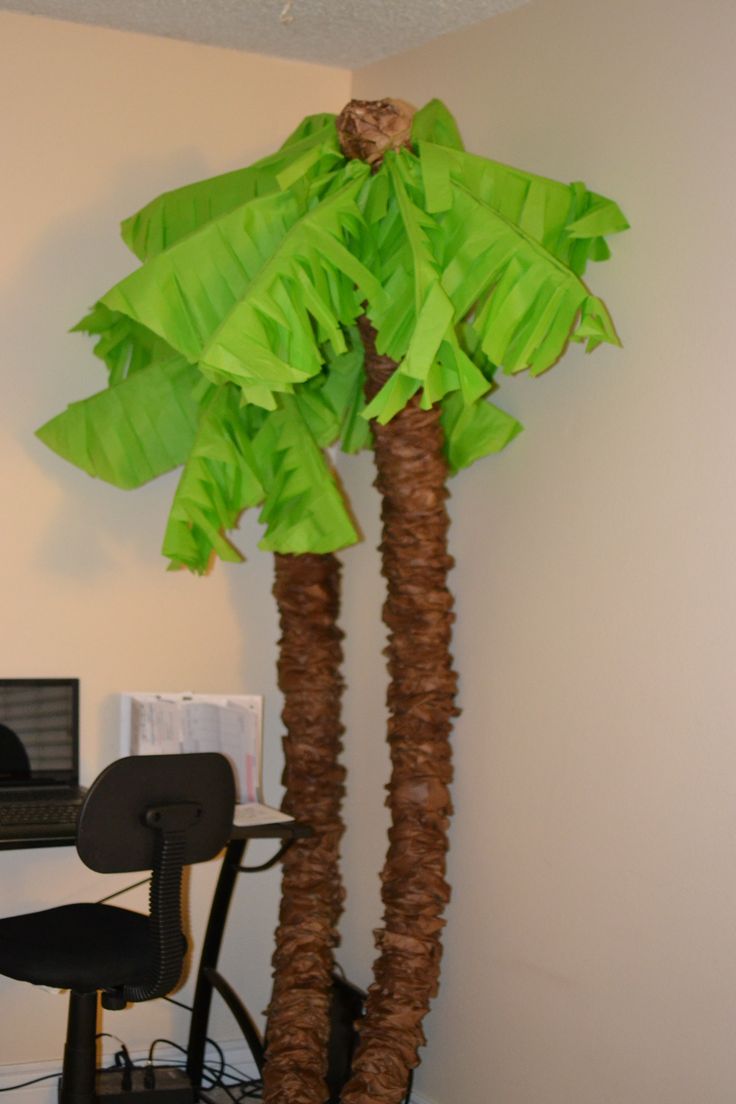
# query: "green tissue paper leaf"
(123, 344)
(343, 390)
(434, 123)
(415, 315)
(313, 147)
(250, 295)
(468, 287)
(304, 511)
(219, 481)
(242, 457)
(521, 301)
(233, 349)
(566, 219)
(134, 431)
(475, 430)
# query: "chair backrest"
(116, 832)
(158, 813)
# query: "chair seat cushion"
(83, 947)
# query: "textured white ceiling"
(347, 33)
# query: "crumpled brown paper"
(418, 612)
(307, 592)
(367, 128)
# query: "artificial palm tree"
(248, 315)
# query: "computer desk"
(208, 979)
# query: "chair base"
(172, 1086)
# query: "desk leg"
(208, 960)
(242, 1017)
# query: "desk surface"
(282, 829)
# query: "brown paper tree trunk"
(411, 477)
(307, 591)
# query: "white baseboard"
(45, 1092)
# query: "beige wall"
(93, 124)
(591, 947)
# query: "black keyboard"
(38, 812)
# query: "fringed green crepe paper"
(232, 348)
(164, 221)
(135, 430)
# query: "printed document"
(156, 724)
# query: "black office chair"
(150, 812)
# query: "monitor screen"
(39, 722)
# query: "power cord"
(121, 1061)
(238, 1076)
(25, 1084)
(216, 1078)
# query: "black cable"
(238, 1078)
(123, 1053)
(176, 1046)
(217, 1078)
(238, 1075)
(24, 1084)
(122, 1061)
(169, 1042)
(247, 1084)
(254, 1088)
(237, 1072)
(107, 1035)
(270, 862)
(222, 1088)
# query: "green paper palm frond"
(123, 344)
(304, 510)
(343, 390)
(525, 305)
(232, 349)
(243, 457)
(220, 479)
(136, 429)
(308, 152)
(469, 272)
(434, 123)
(251, 296)
(569, 221)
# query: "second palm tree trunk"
(307, 590)
(411, 478)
